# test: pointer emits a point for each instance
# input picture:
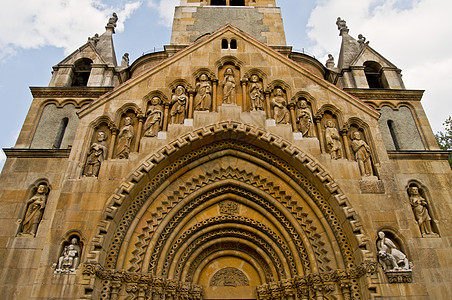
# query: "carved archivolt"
(231, 133)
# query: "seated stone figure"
(389, 256)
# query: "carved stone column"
(293, 119)
(244, 97)
(318, 120)
(165, 116)
(268, 110)
(141, 294)
(346, 144)
(114, 133)
(345, 289)
(114, 290)
(141, 118)
(214, 95)
(190, 104)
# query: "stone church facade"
(227, 166)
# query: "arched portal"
(230, 212)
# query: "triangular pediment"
(86, 51)
(369, 54)
(251, 56)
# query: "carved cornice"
(69, 92)
(386, 94)
(420, 154)
(36, 153)
(400, 276)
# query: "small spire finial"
(362, 40)
(341, 26)
(112, 22)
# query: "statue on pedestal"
(35, 210)
(362, 154)
(256, 93)
(229, 87)
(125, 136)
(420, 210)
(96, 155)
(389, 256)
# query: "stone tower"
(227, 166)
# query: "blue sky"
(37, 34)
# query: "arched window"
(224, 44)
(218, 2)
(373, 74)
(392, 131)
(60, 134)
(82, 70)
(237, 3)
(233, 44)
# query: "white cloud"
(413, 34)
(62, 23)
(165, 9)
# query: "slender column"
(141, 292)
(139, 132)
(190, 104)
(244, 97)
(345, 289)
(293, 119)
(115, 286)
(346, 144)
(214, 95)
(114, 133)
(268, 105)
(165, 116)
(318, 122)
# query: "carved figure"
(229, 87)
(112, 21)
(279, 103)
(125, 60)
(70, 258)
(420, 210)
(362, 154)
(229, 277)
(96, 155)
(389, 256)
(35, 209)
(341, 24)
(179, 105)
(256, 93)
(362, 40)
(304, 118)
(330, 62)
(95, 39)
(203, 90)
(154, 118)
(125, 136)
(333, 140)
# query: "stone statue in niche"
(391, 258)
(69, 258)
(179, 105)
(256, 93)
(330, 62)
(304, 118)
(420, 210)
(229, 87)
(203, 89)
(333, 140)
(96, 155)
(125, 136)
(362, 154)
(35, 209)
(279, 103)
(154, 118)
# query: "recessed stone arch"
(203, 144)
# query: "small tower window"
(218, 2)
(233, 44)
(60, 134)
(393, 134)
(373, 75)
(224, 44)
(82, 70)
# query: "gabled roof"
(249, 39)
(369, 51)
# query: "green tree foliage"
(445, 138)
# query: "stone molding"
(386, 94)
(36, 153)
(399, 276)
(419, 154)
(73, 92)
